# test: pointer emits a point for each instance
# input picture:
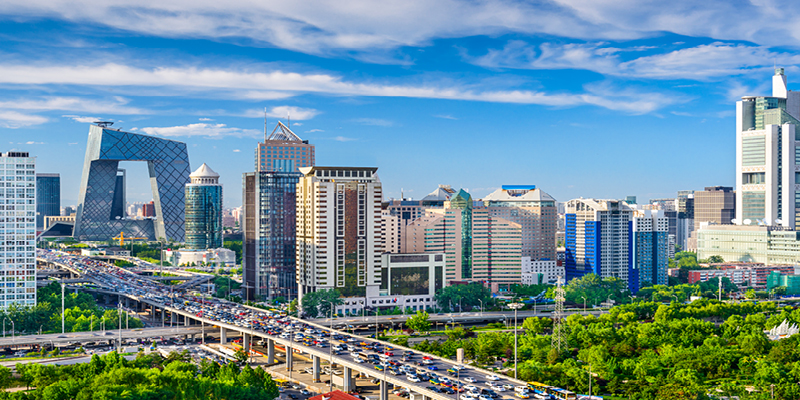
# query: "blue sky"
(587, 98)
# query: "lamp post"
(62, 307)
(4, 326)
(13, 337)
(584, 305)
(119, 315)
(515, 307)
(481, 306)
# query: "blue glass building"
(203, 210)
(168, 166)
(48, 198)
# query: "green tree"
(467, 296)
(419, 322)
(319, 303)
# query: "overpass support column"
(186, 321)
(223, 335)
(347, 378)
(173, 319)
(163, 317)
(384, 390)
(246, 342)
(316, 369)
(289, 358)
(270, 351)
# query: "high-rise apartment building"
(48, 198)
(283, 151)
(715, 204)
(268, 214)
(149, 209)
(598, 234)
(339, 230)
(685, 222)
(650, 249)
(203, 210)
(766, 157)
(17, 229)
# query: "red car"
(389, 353)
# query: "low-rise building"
(771, 245)
(539, 272)
(182, 257)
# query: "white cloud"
(343, 139)
(373, 122)
(211, 131)
(32, 142)
(13, 119)
(84, 120)
(446, 117)
(237, 151)
(122, 76)
(114, 105)
(315, 130)
(206, 119)
(298, 123)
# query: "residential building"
(149, 209)
(650, 249)
(790, 282)
(756, 276)
(17, 229)
(667, 204)
(741, 277)
(770, 245)
(338, 237)
(48, 198)
(391, 231)
(203, 210)
(283, 151)
(766, 157)
(168, 165)
(211, 257)
(598, 239)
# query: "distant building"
(743, 274)
(214, 257)
(771, 245)
(715, 204)
(18, 228)
(631, 200)
(149, 209)
(598, 239)
(791, 282)
(203, 210)
(650, 249)
(48, 198)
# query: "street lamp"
(515, 307)
(584, 305)
(481, 306)
(4, 326)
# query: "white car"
(359, 360)
(414, 378)
(471, 388)
(508, 387)
(499, 388)
(493, 377)
(484, 397)
(470, 379)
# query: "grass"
(39, 356)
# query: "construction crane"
(122, 238)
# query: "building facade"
(339, 231)
(48, 198)
(650, 241)
(283, 151)
(168, 165)
(203, 210)
(767, 184)
(770, 245)
(598, 239)
(17, 229)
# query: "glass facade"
(203, 216)
(48, 198)
(17, 229)
(168, 166)
(462, 200)
(753, 205)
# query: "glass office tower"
(48, 198)
(203, 210)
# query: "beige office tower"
(715, 204)
(339, 231)
(767, 174)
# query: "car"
(433, 368)
(484, 397)
(469, 379)
(379, 367)
(359, 360)
(508, 387)
(413, 378)
(293, 397)
(493, 377)
(522, 395)
(305, 392)
(295, 386)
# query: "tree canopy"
(466, 296)
(419, 322)
(319, 303)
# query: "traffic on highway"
(418, 369)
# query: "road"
(70, 337)
(447, 318)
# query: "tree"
(715, 259)
(419, 322)
(293, 306)
(466, 296)
(240, 356)
(319, 303)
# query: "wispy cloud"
(237, 151)
(373, 121)
(84, 120)
(296, 113)
(211, 131)
(315, 130)
(343, 139)
(205, 119)
(113, 105)
(446, 117)
(14, 120)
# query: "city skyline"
(625, 95)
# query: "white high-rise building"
(767, 178)
(17, 229)
(339, 242)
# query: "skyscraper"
(766, 157)
(598, 234)
(650, 249)
(715, 204)
(48, 198)
(283, 151)
(17, 229)
(203, 210)
(339, 230)
(269, 214)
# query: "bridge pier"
(289, 358)
(270, 351)
(187, 321)
(246, 343)
(223, 335)
(173, 319)
(315, 376)
(163, 317)
(384, 390)
(347, 378)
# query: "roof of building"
(204, 172)
(602, 204)
(442, 193)
(518, 193)
(334, 395)
(283, 133)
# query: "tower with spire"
(283, 151)
(203, 210)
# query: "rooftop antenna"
(289, 120)
(265, 124)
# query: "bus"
(561, 394)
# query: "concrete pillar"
(223, 335)
(163, 316)
(270, 351)
(384, 390)
(187, 321)
(174, 318)
(316, 368)
(289, 358)
(347, 377)
(246, 342)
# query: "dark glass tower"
(48, 198)
(204, 210)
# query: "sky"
(582, 98)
